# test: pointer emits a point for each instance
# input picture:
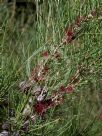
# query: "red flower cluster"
(68, 89)
(43, 106)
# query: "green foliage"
(21, 51)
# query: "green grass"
(21, 51)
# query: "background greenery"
(21, 49)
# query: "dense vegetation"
(51, 69)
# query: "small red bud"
(69, 89)
(45, 54)
(94, 13)
(62, 88)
